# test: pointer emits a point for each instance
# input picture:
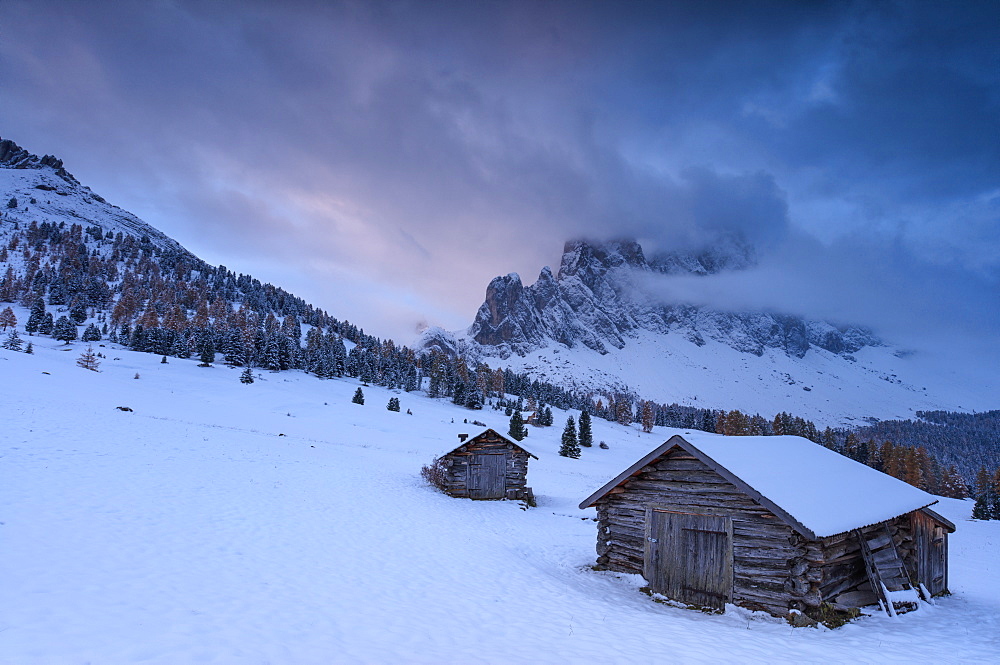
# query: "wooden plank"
(689, 558)
(487, 477)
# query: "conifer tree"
(36, 317)
(47, 325)
(91, 334)
(64, 330)
(78, 311)
(359, 397)
(7, 319)
(987, 506)
(517, 429)
(88, 360)
(206, 354)
(247, 376)
(13, 342)
(29, 349)
(952, 485)
(393, 404)
(570, 446)
(586, 435)
(474, 398)
(647, 416)
(983, 481)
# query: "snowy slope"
(191, 530)
(821, 386)
(604, 323)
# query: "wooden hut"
(487, 466)
(770, 523)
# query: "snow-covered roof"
(815, 490)
(488, 430)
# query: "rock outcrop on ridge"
(597, 300)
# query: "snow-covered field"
(280, 523)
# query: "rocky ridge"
(597, 300)
(40, 189)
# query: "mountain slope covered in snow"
(40, 189)
(600, 325)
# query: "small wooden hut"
(770, 523)
(487, 466)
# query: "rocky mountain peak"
(593, 301)
(13, 156)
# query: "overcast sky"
(386, 160)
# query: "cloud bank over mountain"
(389, 159)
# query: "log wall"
(924, 552)
(457, 464)
(774, 568)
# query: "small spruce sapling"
(247, 376)
(393, 404)
(570, 446)
(359, 397)
(13, 342)
(88, 360)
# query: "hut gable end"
(763, 547)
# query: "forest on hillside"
(126, 290)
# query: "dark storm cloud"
(408, 143)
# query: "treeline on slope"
(171, 303)
(968, 441)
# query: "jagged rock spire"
(595, 301)
(13, 156)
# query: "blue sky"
(386, 160)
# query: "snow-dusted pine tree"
(570, 446)
(586, 434)
(88, 359)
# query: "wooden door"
(931, 545)
(487, 477)
(689, 558)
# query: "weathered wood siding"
(921, 542)
(487, 468)
(774, 568)
(930, 544)
(689, 558)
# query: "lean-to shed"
(487, 466)
(774, 523)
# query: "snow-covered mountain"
(594, 327)
(597, 299)
(40, 189)
(600, 325)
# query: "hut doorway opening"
(689, 558)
